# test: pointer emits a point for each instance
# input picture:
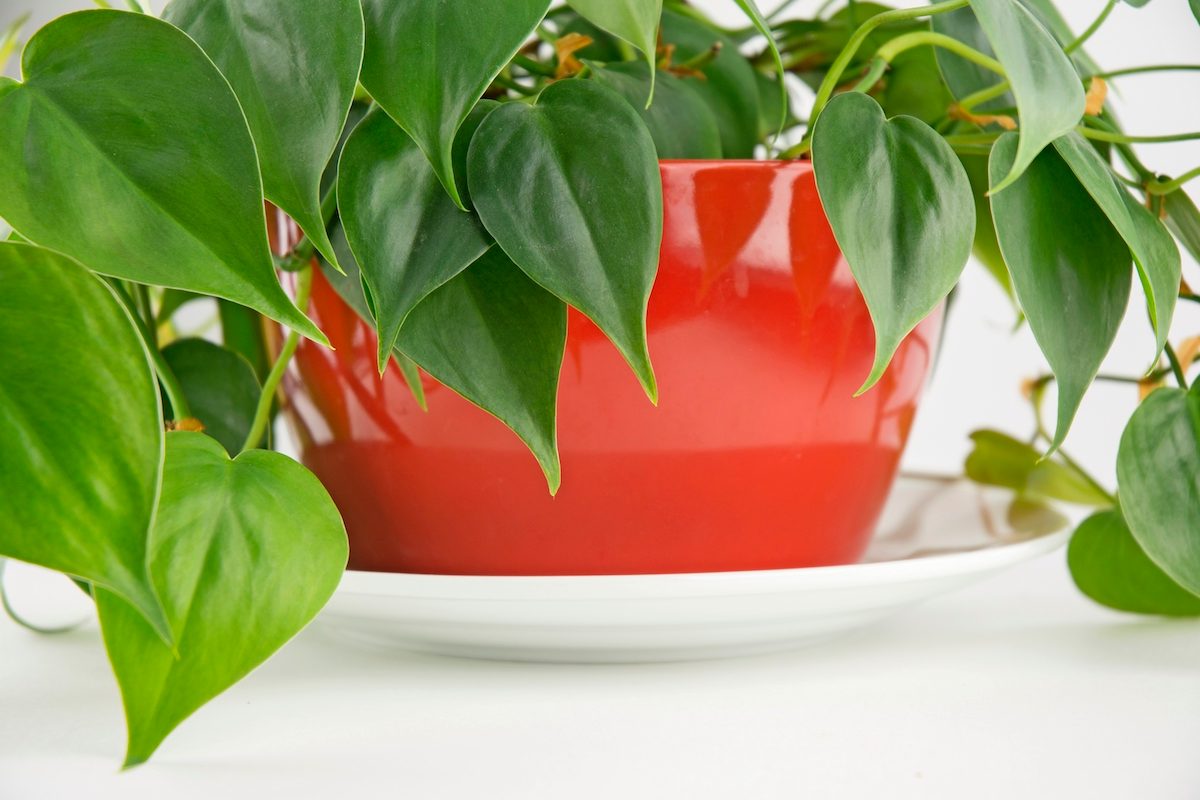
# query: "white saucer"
(936, 535)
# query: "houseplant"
(136, 154)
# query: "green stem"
(533, 67)
(1121, 138)
(303, 252)
(1176, 367)
(1119, 73)
(971, 138)
(1061, 453)
(141, 295)
(834, 76)
(983, 95)
(166, 376)
(262, 412)
(874, 73)
(1095, 26)
(1166, 187)
(895, 47)
(507, 83)
(1127, 154)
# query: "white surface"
(1014, 688)
(935, 536)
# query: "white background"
(1015, 688)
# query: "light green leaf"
(900, 206)
(1110, 567)
(1070, 269)
(244, 553)
(1033, 517)
(428, 61)
(680, 122)
(497, 339)
(635, 21)
(294, 67)
(126, 149)
(570, 188)
(408, 237)
(1049, 94)
(1158, 468)
(220, 386)
(81, 436)
(1150, 243)
(728, 86)
(1195, 6)
(998, 459)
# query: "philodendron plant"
(463, 171)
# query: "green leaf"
(80, 427)
(914, 87)
(570, 188)
(728, 86)
(1150, 243)
(408, 237)
(126, 149)
(349, 286)
(635, 21)
(1158, 468)
(750, 9)
(1111, 568)
(1183, 220)
(497, 339)
(428, 61)
(900, 206)
(1070, 269)
(295, 113)
(220, 386)
(986, 247)
(680, 122)
(965, 77)
(244, 553)
(242, 332)
(1033, 517)
(1195, 6)
(998, 459)
(1049, 94)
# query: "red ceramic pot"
(758, 456)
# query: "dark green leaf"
(1000, 460)
(913, 86)
(1070, 269)
(496, 338)
(220, 386)
(635, 21)
(750, 9)
(1153, 250)
(428, 61)
(1195, 6)
(244, 553)
(1110, 567)
(126, 149)
(1183, 219)
(900, 206)
(965, 77)
(728, 86)
(986, 248)
(679, 121)
(1158, 468)
(242, 332)
(407, 235)
(1048, 92)
(294, 67)
(80, 427)
(570, 188)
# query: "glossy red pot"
(758, 456)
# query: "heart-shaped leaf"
(407, 235)
(570, 188)
(635, 21)
(104, 158)
(1158, 468)
(497, 338)
(728, 85)
(1000, 460)
(428, 61)
(1049, 94)
(681, 124)
(901, 209)
(80, 427)
(244, 553)
(1150, 243)
(295, 113)
(220, 386)
(1069, 266)
(1110, 567)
